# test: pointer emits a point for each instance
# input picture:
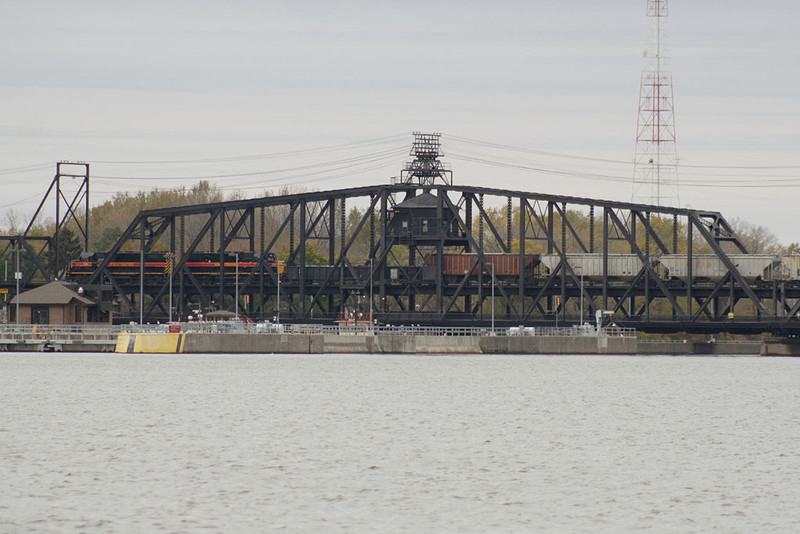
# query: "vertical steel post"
(383, 248)
(605, 257)
(521, 278)
(302, 257)
(580, 322)
(141, 270)
(237, 284)
(371, 276)
(18, 275)
(278, 313)
(170, 288)
(492, 266)
(689, 262)
(181, 249)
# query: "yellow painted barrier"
(150, 343)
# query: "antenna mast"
(426, 167)
(655, 174)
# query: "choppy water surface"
(364, 443)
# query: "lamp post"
(141, 280)
(18, 276)
(581, 319)
(237, 284)
(278, 315)
(370, 294)
(170, 255)
(492, 266)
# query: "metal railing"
(91, 334)
(239, 327)
(57, 334)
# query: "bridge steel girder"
(328, 253)
(42, 256)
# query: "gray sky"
(145, 90)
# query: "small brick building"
(57, 303)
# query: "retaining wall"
(699, 348)
(369, 344)
(781, 347)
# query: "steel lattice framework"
(656, 163)
(428, 252)
(43, 256)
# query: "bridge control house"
(58, 302)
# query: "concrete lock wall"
(370, 344)
(781, 347)
(698, 348)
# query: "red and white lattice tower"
(655, 175)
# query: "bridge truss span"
(435, 253)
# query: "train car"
(504, 264)
(123, 264)
(620, 266)
(156, 264)
(709, 266)
(790, 268)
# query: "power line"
(728, 181)
(364, 157)
(306, 151)
(604, 160)
(26, 168)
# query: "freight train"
(624, 266)
(157, 264)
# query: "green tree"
(70, 248)
(108, 237)
(314, 256)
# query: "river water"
(367, 443)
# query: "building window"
(40, 315)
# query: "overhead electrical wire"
(310, 170)
(622, 162)
(754, 182)
(459, 148)
(26, 168)
(693, 179)
(305, 151)
(321, 172)
(21, 201)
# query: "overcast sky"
(136, 87)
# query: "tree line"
(109, 220)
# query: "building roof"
(424, 200)
(52, 293)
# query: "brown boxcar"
(504, 264)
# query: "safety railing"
(61, 334)
(28, 333)
(233, 327)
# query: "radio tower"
(655, 172)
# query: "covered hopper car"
(709, 266)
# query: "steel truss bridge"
(437, 254)
(41, 258)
